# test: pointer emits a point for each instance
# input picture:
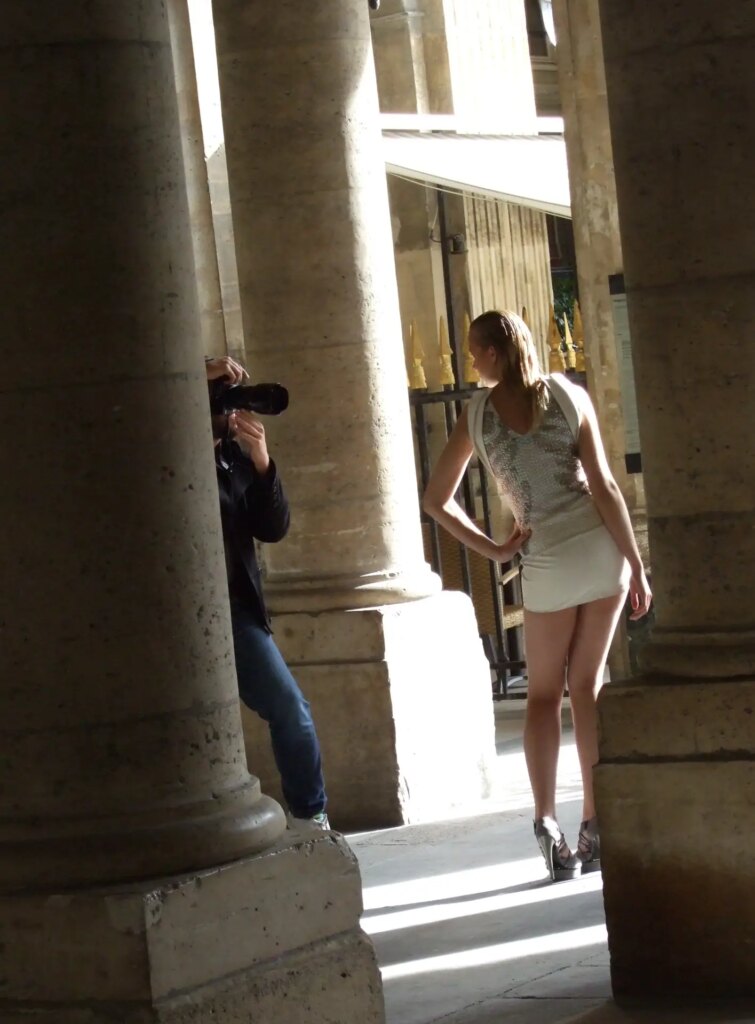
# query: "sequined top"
(542, 477)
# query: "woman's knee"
(543, 703)
(584, 686)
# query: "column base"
(699, 655)
(675, 788)
(274, 937)
(348, 592)
(401, 698)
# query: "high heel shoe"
(588, 847)
(562, 864)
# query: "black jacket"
(252, 507)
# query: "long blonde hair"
(510, 336)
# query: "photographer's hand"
(249, 433)
(227, 368)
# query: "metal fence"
(494, 589)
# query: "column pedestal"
(274, 937)
(401, 699)
(675, 789)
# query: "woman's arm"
(611, 505)
(440, 503)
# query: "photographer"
(253, 506)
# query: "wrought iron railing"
(494, 589)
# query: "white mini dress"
(571, 558)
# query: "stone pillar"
(598, 246)
(398, 43)
(400, 688)
(676, 780)
(207, 276)
(124, 783)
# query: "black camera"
(265, 399)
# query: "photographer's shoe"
(317, 823)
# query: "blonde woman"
(538, 435)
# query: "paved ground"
(468, 928)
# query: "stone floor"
(469, 930)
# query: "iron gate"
(495, 590)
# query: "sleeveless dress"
(571, 558)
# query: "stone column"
(398, 44)
(597, 242)
(207, 275)
(124, 783)
(401, 684)
(676, 781)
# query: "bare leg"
(594, 628)
(548, 636)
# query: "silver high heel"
(588, 847)
(562, 864)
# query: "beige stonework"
(675, 782)
(706, 719)
(317, 281)
(114, 604)
(398, 41)
(394, 695)
(124, 783)
(214, 945)
(677, 872)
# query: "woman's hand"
(227, 368)
(639, 594)
(249, 433)
(513, 543)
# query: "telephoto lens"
(265, 399)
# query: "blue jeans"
(267, 687)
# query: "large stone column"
(124, 783)
(597, 242)
(399, 51)
(676, 781)
(400, 687)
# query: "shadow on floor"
(467, 927)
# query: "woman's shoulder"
(561, 382)
(476, 407)
(475, 410)
(479, 395)
(571, 398)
